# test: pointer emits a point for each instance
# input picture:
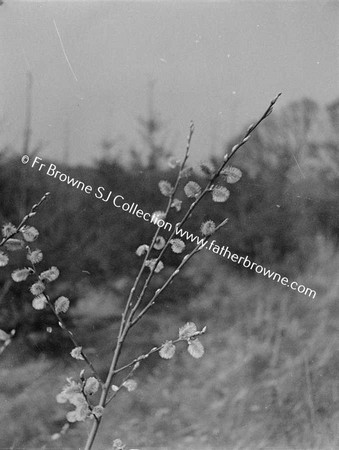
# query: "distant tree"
(152, 132)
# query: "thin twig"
(8, 284)
(156, 349)
(71, 336)
(170, 200)
(31, 213)
(127, 377)
(136, 362)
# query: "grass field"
(268, 379)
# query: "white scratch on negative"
(298, 166)
(64, 51)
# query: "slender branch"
(167, 242)
(31, 213)
(8, 284)
(156, 349)
(71, 336)
(125, 325)
(126, 322)
(123, 334)
(104, 392)
(203, 193)
(48, 300)
(136, 362)
(245, 138)
(62, 324)
(170, 200)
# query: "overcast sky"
(216, 63)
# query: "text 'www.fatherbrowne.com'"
(245, 262)
(157, 218)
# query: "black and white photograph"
(169, 225)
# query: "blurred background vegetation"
(269, 377)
